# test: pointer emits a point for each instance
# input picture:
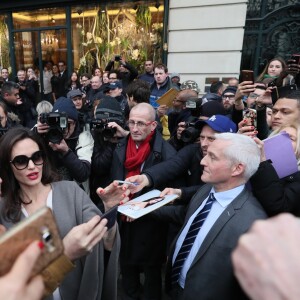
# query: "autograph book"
(145, 204)
(279, 149)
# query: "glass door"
(33, 49)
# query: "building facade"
(202, 40)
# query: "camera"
(192, 132)
(117, 57)
(58, 123)
(101, 126)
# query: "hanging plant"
(4, 45)
(143, 17)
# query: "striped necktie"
(190, 238)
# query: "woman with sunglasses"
(28, 183)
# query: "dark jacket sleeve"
(187, 193)
(133, 71)
(276, 195)
(109, 66)
(79, 169)
(171, 214)
(101, 159)
(236, 116)
(167, 171)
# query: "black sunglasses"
(21, 161)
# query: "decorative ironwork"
(272, 29)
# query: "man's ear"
(238, 169)
(153, 125)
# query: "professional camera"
(58, 123)
(101, 126)
(191, 133)
(117, 57)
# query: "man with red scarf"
(143, 245)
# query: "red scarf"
(136, 156)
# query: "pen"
(127, 182)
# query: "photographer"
(126, 72)
(107, 128)
(71, 150)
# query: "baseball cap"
(66, 105)
(230, 89)
(218, 123)
(114, 85)
(74, 93)
(189, 85)
(174, 75)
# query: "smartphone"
(296, 57)
(247, 75)
(41, 226)
(250, 117)
(111, 216)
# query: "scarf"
(136, 156)
(269, 76)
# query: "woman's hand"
(246, 129)
(82, 238)
(260, 145)
(113, 194)
(18, 284)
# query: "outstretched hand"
(113, 194)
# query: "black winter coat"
(144, 240)
(276, 195)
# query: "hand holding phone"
(111, 216)
(40, 226)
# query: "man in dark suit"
(199, 264)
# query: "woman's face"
(74, 77)
(30, 72)
(55, 69)
(32, 174)
(105, 78)
(292, 132)
(98, 73)
(275, 68)
(3, 117)
(269, 116)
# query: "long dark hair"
(10, 186)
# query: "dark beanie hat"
(230, 89)
(66, 105)
(211, 108)
(108, 107)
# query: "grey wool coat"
(71, 206)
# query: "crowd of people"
(69, 150)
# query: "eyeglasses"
(112, 78)
(21, 161)
(139, 124)
(253, 95)
(228, 96)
